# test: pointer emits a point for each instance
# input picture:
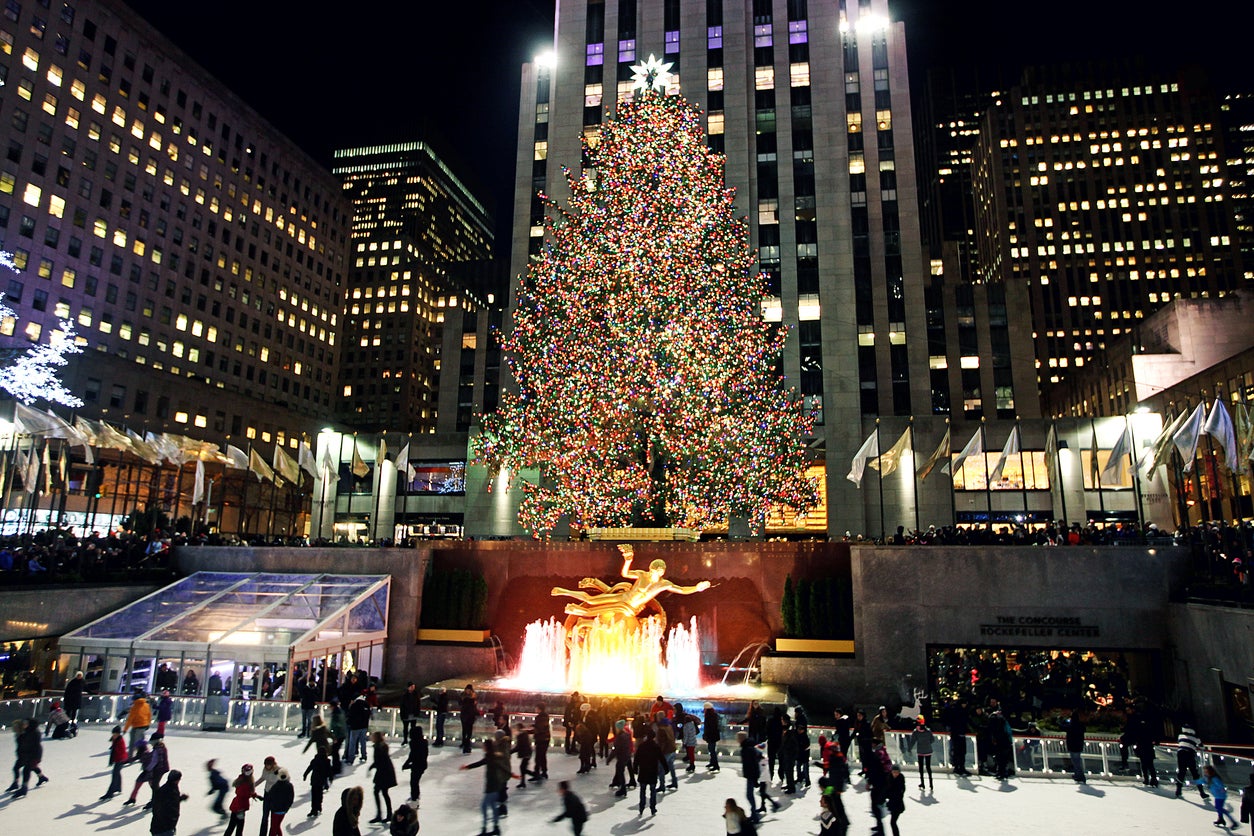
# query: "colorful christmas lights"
(648, 388)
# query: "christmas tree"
(648, 387)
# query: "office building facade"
(1103, 200)
(198, 252)
(810, 102)
(421, 293)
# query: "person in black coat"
(409, 711)
(544, 735)
(441, 713)
(319, 774)
(751, 766)
(384, 779)
(165, 805)
(469, 713)
(346, 818)
(954, 716)
(896, 797)
(788, 754)
(711, 733)
(416, 763)
(622, 758)
(774, 737)
(755, 722)
(30, 751)
(649, 764)
(1074, 727)
(308, 696)
(572, 808)
(72, 702)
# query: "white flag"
(890, 459)
(237, 459)
(403, 465)
(359, 467)
(870, 449)
(285, 466)
(47, 464)
(1219, 427)
(1186, 437)
(1160, 450)
(305, 458)
(1112, 474)
(1245, 435)
(198, 487)
(974, 447)
(1011, 449)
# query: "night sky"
(447, 71)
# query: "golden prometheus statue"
(625, 600)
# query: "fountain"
(609, 645)
(615, 641)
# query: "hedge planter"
(455, 636)
(827, 647)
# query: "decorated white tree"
(33, 373)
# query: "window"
(971, 476)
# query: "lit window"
(799, 74)
(200, 421)
(30, 58)
(33, 331)
(714, 78)
(764, 78)
(716, 123)
(32, 195)
(180, 417)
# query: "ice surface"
(450, 798)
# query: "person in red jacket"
(245, 792)
(117, 759)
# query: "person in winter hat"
(166, 801)
(117, 760)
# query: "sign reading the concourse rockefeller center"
(1039, 627)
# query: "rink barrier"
(1034, 755)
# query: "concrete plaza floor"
(79, 774)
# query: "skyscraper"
(810, 102)
(197, 250)
(414, 223)
(1104, 195)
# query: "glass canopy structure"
(235, 635)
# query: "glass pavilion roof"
(237, 609)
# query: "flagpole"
(1234, 493)
(402, 467)
(1023, 473)
(378, 495)
(1095, 470)
(243, 501)
(1212, 477)
(914, 476)
(1057, 464)
(949, 461)
(1136, 477)
(274, 490)
(880, 471)
(988, 487)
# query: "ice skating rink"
(79, 775)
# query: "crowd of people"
(640, 746)
(58, 555)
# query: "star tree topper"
(653, 74)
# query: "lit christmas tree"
(31, 374)
(648, 391)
